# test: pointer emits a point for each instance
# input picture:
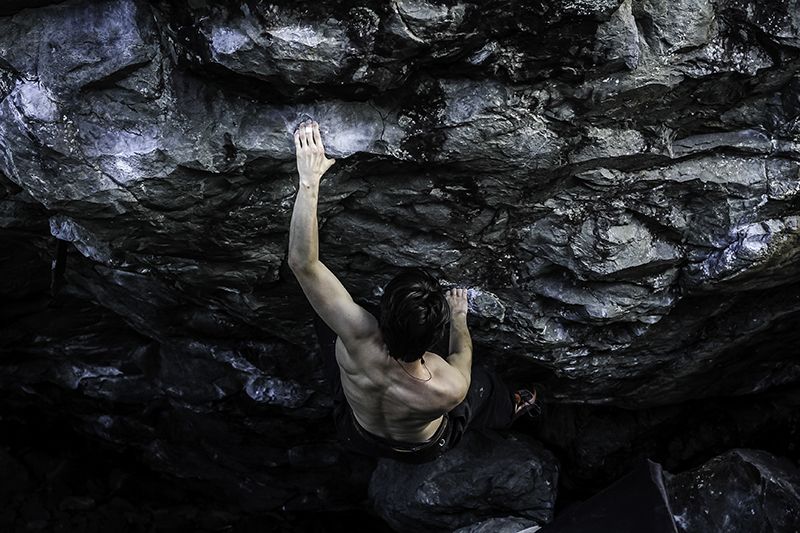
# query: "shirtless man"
(392, 397)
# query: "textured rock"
(533, 176)
(487, 475)
(617, 182)
(741, 490)
(501, 525)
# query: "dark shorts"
(488, 405)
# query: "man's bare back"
(392, 399)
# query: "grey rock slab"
(486, 475)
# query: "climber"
(392, 397)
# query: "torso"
(385, 400)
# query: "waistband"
(437, 440)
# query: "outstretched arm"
(324, 291)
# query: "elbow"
(468, 380)
(294, 263)
(462, 393)
(299, 266)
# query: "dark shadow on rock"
(598, 444)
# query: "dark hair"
(414, 313)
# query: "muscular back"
(386, 400)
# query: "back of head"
(414, 313)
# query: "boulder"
(740, 490)
(487, 476)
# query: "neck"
(416, 369)
(413, 366)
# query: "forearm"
(460, 345)
(303, 231)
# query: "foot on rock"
(525, 403)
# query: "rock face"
(617, 182)
(627, 203)
(486, 476)
(742, 490)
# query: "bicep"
(334, 304)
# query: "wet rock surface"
(617, 183)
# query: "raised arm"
(460, 341)
(324, 291)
